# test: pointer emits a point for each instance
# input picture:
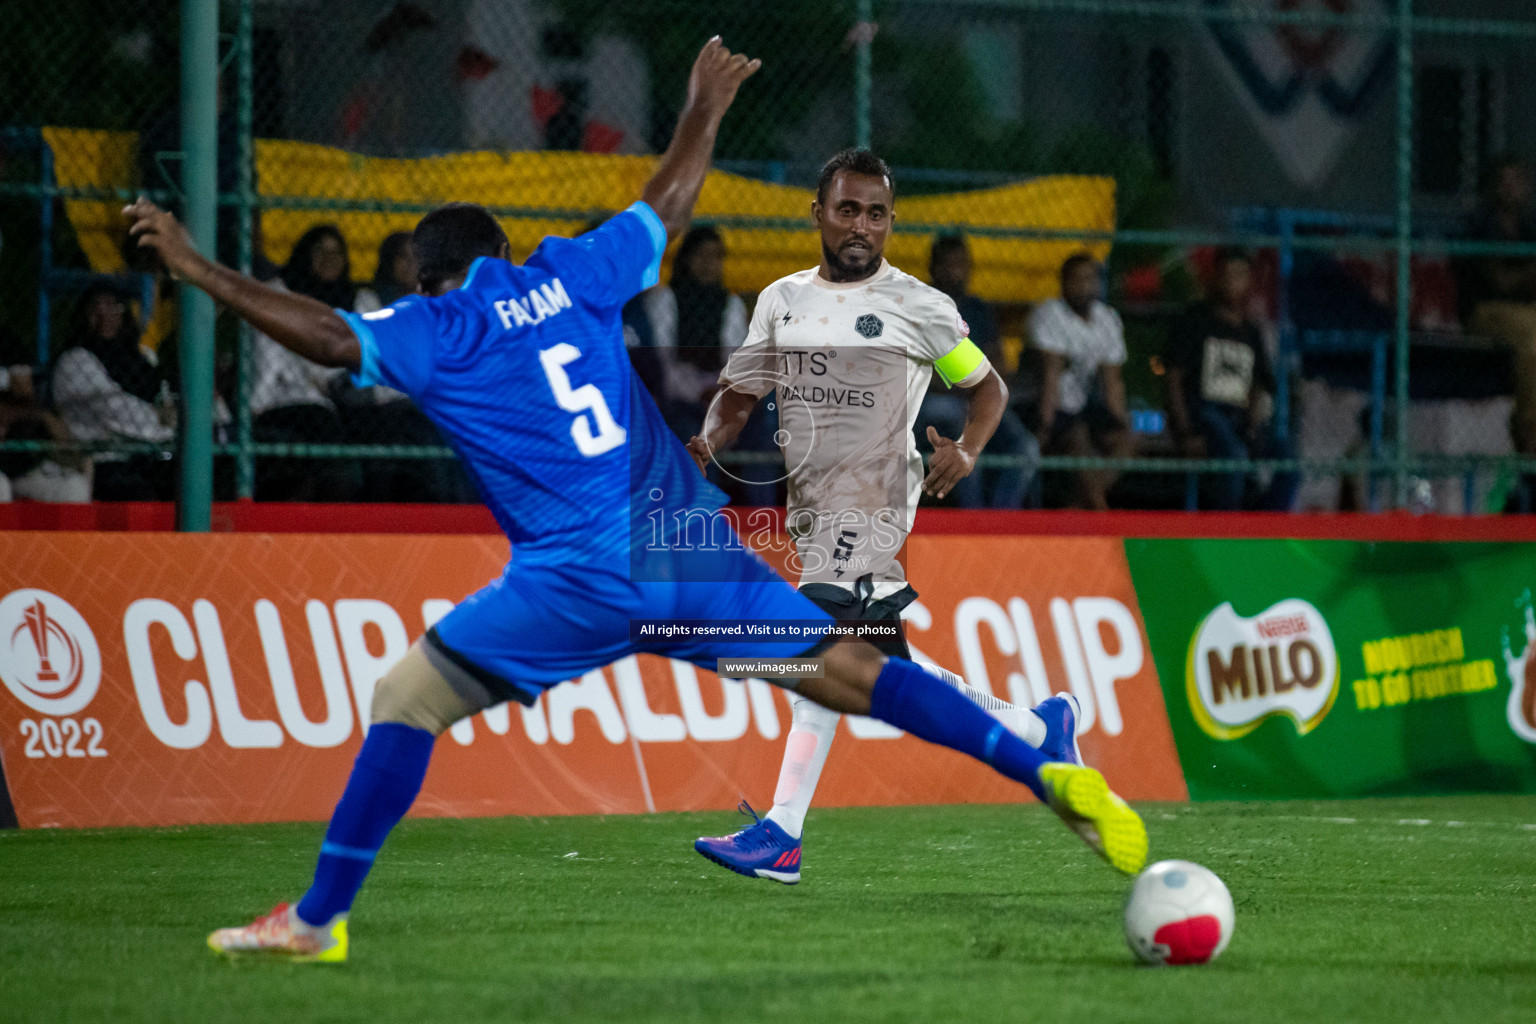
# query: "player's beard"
(844, 270)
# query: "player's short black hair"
(1074, 261)
(452, 237)
(859, 161)
(943, 245)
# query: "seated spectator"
(395, 276)
(34, 476)
(695, 322)
(1498, 293)
(949, 268)
(107, 388)
(320, 266)
(58, 476)
(1082, 395)
(382, 415)
(289, 398)
(1220, 385)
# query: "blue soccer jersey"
(524, 370)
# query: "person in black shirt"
(1218, 380)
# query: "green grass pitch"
(1380, 910)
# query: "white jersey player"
(848, 348)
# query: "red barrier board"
(303, 517)
(155, 678)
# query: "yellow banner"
(84, 158)
(1006, 270)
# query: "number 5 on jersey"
(585, 399)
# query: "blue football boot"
(1060, 715)
(761, 850)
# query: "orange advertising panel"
(165, 679)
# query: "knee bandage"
(415, 693)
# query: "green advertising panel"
(1336, 668)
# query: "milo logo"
(1241, 671)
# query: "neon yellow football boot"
(1083, 801)
(281, 933)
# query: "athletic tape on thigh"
(416, 693)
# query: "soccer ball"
(1178, 913)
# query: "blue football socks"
(913, 700)
(385, 780)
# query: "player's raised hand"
(712, 84)
(950, 464)
(716, 75)
(158, 229)
(699, 449)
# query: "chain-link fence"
(1231, 253)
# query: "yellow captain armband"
(959, 362)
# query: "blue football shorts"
(539, 625)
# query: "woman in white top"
(107, 388)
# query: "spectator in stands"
(381, 415)
(290, 401)
(1220, 385)
(58, 476)
(1499, 292)
(107, 388)
(1082, 396)
(321, 267)
(949, 268)
(36, 476)
(394, 277)
(695, 322)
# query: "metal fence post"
(1404, 234)
(862, 72)
(199, 182)
(245, 469)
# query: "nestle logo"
(1288, 625)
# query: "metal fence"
(1346, 147)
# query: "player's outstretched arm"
(726, 418)
(305, 325)
(712, 85)
(953, 460)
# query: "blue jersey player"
(523, 368)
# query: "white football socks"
(805, 753)
(810, 738)
(1022, 722)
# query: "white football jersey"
(849, 365)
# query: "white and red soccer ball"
(1178, 913)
